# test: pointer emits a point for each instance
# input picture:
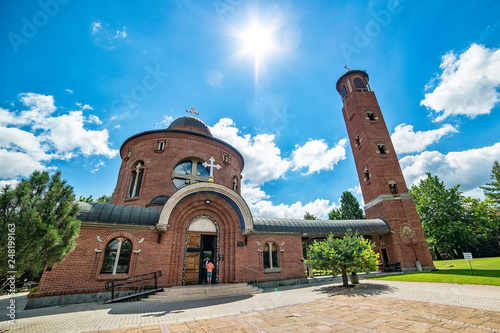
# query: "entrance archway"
(202, 241)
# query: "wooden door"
(192, 268)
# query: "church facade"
(178, 201)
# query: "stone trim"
(241, 205)
(388, 197)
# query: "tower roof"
(192, 124)
(349, 72)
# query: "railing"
(256, 274)
(116, 283)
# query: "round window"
(189, 172)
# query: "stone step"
(197, 292)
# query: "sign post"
(468, 256)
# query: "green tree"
(441, 213)
(348, 254)
(308, 216)
(492, 189)
(39, 215)
(104, 199)
(350, 208)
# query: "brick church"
(178, 200)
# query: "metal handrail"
(256, 274)
(112, 284)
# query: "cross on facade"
(192, 111)
(211, 166)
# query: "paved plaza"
(373, 306)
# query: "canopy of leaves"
(103, 199)
(308, 216)
(492, 189)
(348, 254)
(350, 208)
(39, 215)
(442, 215)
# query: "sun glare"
(258, 41)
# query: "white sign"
(467, 255)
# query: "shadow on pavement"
(148, 309)
(362, 289)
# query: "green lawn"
(486, 271)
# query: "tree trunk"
(344, 278)
(438, 255)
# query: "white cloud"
(260, 205)
(97, 165)
(315, 156)
(468, 84)
(406, 140)
(31, 139)
(84, 106)
(11, 182)
(94, 119)
(263, 161)
(69, 91)
(96, 26)
(469, 168)
(167, 120)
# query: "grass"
(486, 272)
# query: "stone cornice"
(388, 197)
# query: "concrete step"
(196, 292)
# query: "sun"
(258, 41)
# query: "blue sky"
(79, 77)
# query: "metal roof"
(159, 200)
(189, 121)
(116, 214)
(320, 227)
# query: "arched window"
(270, 256)
(360, 85)
(235, 184)
(343, 92)
(189, 172)
(136, 180)
(117, 256)
(366, 173)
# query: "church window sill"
(274, 270)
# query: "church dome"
(191, 124)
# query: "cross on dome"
(192, 111)
(211, 166)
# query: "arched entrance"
(202, 241)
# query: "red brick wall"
(81, 268)
(157, 179)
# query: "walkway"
(373, 306)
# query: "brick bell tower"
(384, 189)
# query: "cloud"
(468, 84)
(405, 140)
(315, 156)
(84, 106)
(94, 119)
(96, 26)
(263, 161)
(69, 91)
(31, 139)
(469, 168)
(260, 205)
(167, 120)
(107, 37)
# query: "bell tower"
(384, 189)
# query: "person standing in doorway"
(210, 268)
(205, 262)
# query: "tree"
(308, 216)
(39, 217)
(441, 213)
(492, 189)
(104, 199)
(348, 254)
(349, 208)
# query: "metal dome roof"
(188, 123)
